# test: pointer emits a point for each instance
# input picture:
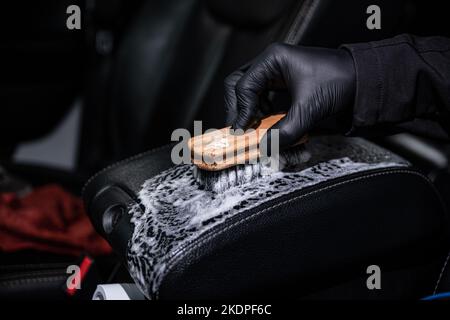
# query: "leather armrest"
(352, 204)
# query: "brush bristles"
(220, 181)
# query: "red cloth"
(48, 219)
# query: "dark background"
(139, 69)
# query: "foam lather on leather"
(174, 210)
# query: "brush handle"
(222, 140)
(268, 122)
(231, 149)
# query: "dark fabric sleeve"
(401, 80)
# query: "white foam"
(176, 210)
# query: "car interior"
(139, 70)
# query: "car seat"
(315, 240)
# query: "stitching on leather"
(177, 256)
(121, 162)
(11, 283)
(299, 21)
(441, 274)
(20, 267)
(292, 35)
(31, 274)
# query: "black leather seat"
(42, 72)
(311, 232)
(315, 240)
(168, 60)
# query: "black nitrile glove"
(321, 83)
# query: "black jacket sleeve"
(403, 81)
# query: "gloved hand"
(321, 83)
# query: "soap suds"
(174, 209)
(221, 143)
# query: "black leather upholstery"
(319, 239)
(300, 244)
(167, 66)
(33, 280)
(164, 68)
(42, 68)
(37, 275)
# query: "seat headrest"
(248, 13)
